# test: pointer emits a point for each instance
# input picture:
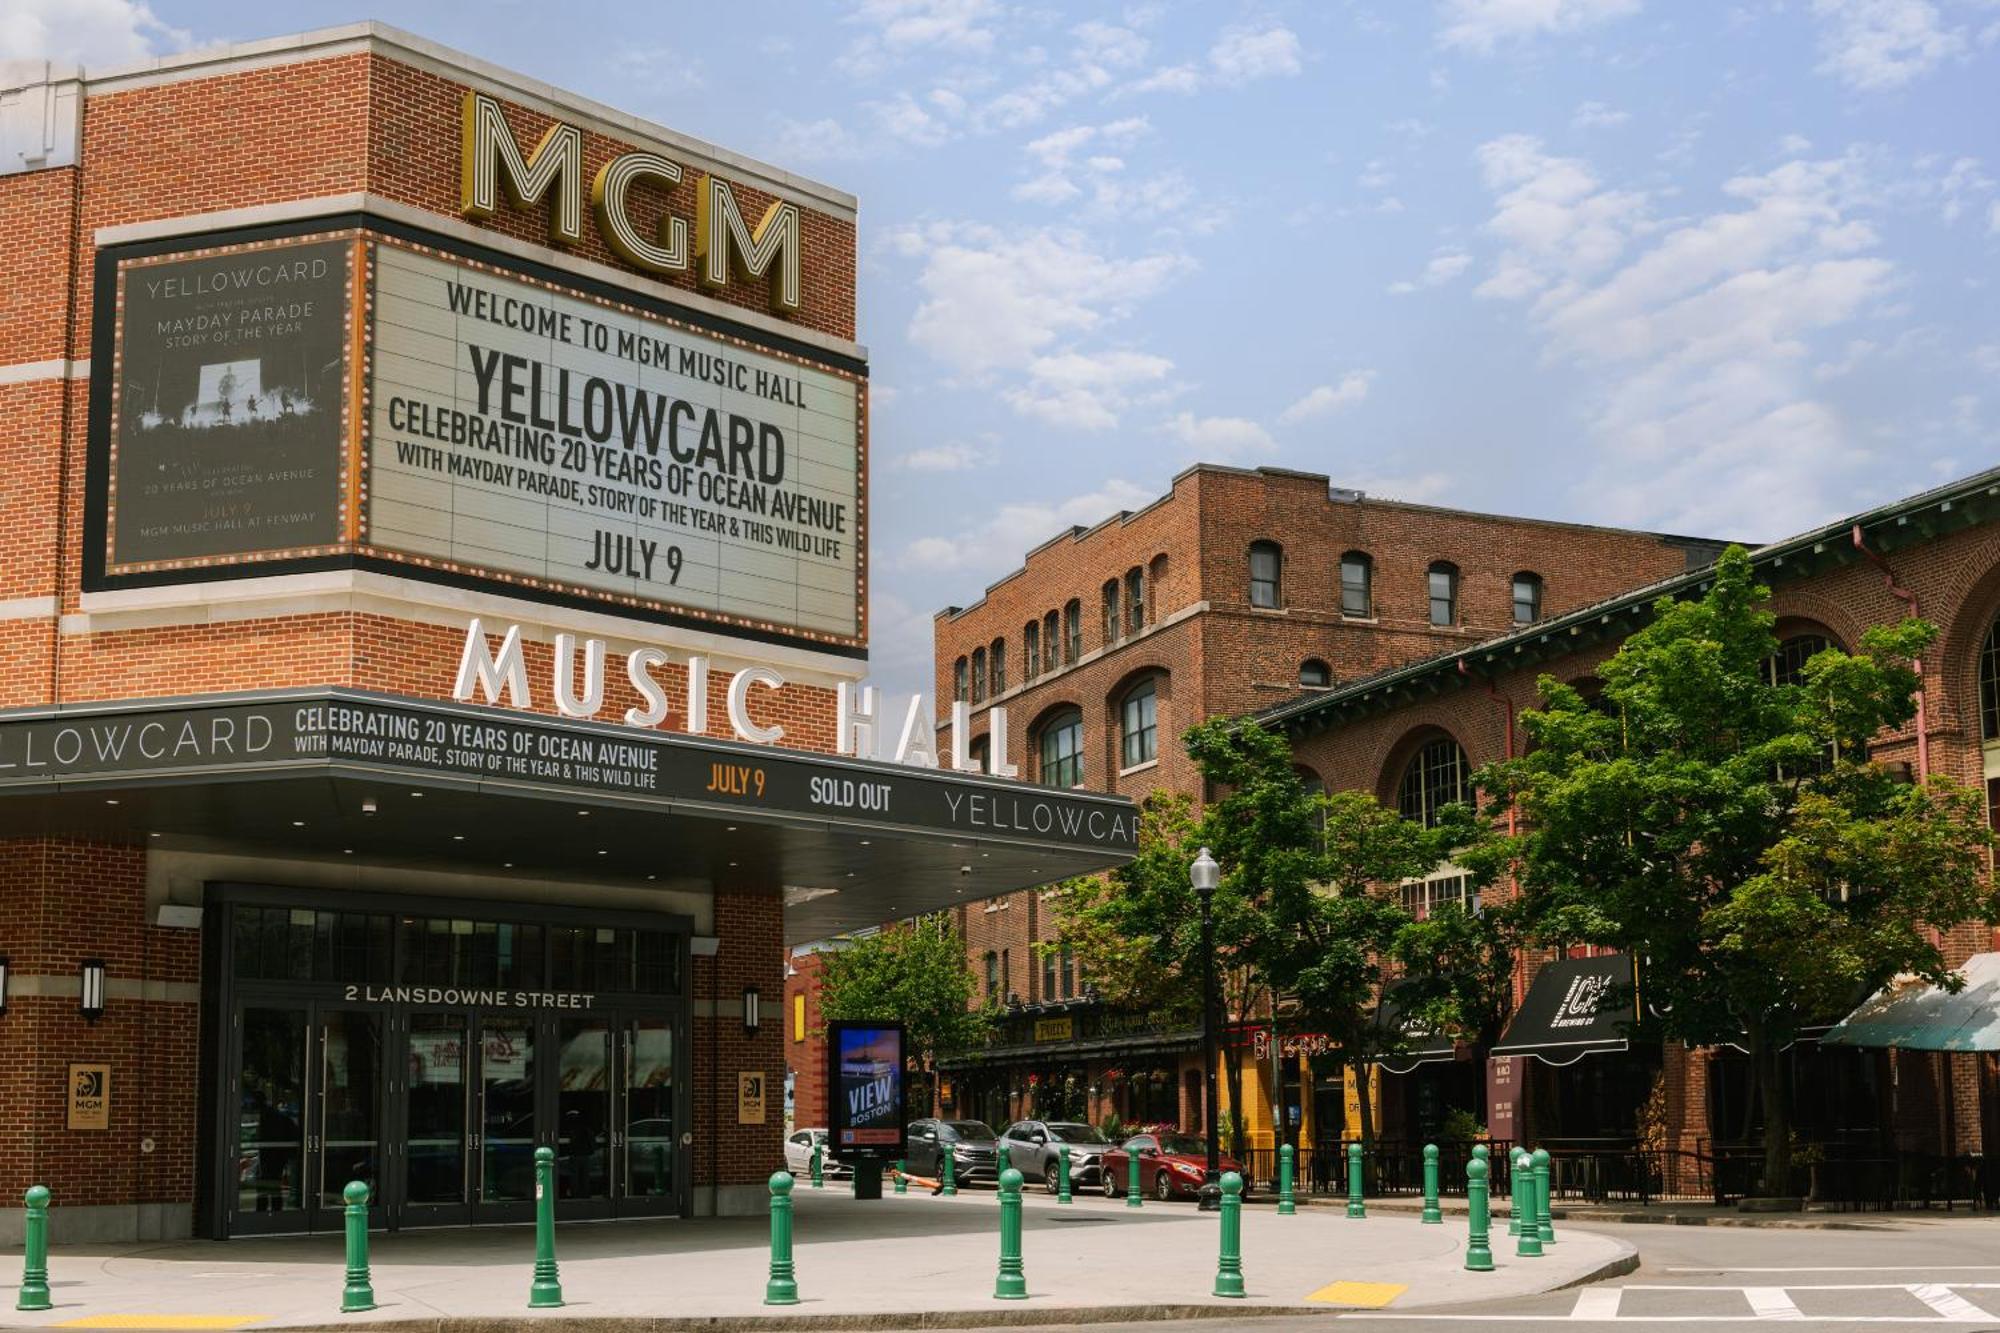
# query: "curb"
(1015, 1317)
(1642, 1217)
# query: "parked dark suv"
(971, 1145)
(1032, 1146)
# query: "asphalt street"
(1894, 1274)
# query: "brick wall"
(751, 953)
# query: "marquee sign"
(358, 394)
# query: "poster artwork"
(229, 404)
(868, 1086)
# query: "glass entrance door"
(648, 1148)
(507, 1126)
(584, 1086)
(309, 1084)
(437, 1121)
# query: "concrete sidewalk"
(903, 1262)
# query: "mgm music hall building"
(434, 605)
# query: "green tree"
(916, 975)
(1724, 827)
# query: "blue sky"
(1714, 267)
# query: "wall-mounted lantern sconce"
(90, 997)
(753, 1016)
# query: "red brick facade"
(334, 118)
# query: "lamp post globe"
(1205, 875)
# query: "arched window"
(1787, 666)
(1113, 622)
(997, 664)
(1139, 725)
(1315, 674)
(960, 681)
(1061, 749)
(1357, 585)
(1434, 778)
(1989, 685)
(978, 675)
(1031, 650)
(1527, 598)
(1444, 593)
(1072, 631)
(1267, 564)
(1135, 599)
(1051, 642)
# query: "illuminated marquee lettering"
(725, 245)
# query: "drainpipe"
(1909, 600)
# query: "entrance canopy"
(1577, 1006)
(336, 772)
(1911, 1015)
(1423, 1046)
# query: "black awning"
(1422, 1046)
(1577, 1006)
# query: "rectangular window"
(1265, 568)
(960, 680)
(1355, 594)
(979, 675)
(992, 975)
(1048, 975)
(1135, 600)
(1072, 633)
(1031, 650)
(1140, 726)
(1527, 599)
(1051, 642)
(1444, 596)
(999, 661)
(1068, 975)
(1111, 620)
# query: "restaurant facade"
(432, 648)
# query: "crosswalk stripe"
(1948, 1302)
(1597, 1303)
(1771, 1303)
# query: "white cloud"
(1481, 26)
(86, 32)
(1597, 116)
(1698, 337)
(953, 456)
(997, 545)
(1243, 55)
(822, 140)
(1220, 439)
(1087, 391)
(903, 117)
(1182, 79)
(899, 28)
(1993, 218)
(1874, 45)
(1326, 398)
(1443, 267)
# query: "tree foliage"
(916, 975)
(1724, 827)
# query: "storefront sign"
(337, 728)
(750, 1098)
(521, 430)
(90, 1096)
(1500, 1095)
(1055, 1029)
(457, 997)
(865, 1116)
(492, 167)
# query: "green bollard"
(819, 1173)
(1545, 1228)
(1004, 1163)
(1528, 1240)
(947, 1174)
(1355, 1207)
(902, 1185)
(1432, 1215)
(1229, 1268)
(1478, 1253)
(1010, 1285)
(360, 1292)
(546, 1290)
(1062, 1174)
(1286, 1205)
(781, 1287)
(34, 1292)
(1514, 1174)
(1132, 1181)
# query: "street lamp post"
(1205, 874)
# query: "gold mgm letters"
(725, 245)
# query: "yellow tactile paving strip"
(1363, 1295)
(161, 1321)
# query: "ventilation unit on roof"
(1345, 495)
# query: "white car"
(799, 1151)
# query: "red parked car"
(1171, 1166)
